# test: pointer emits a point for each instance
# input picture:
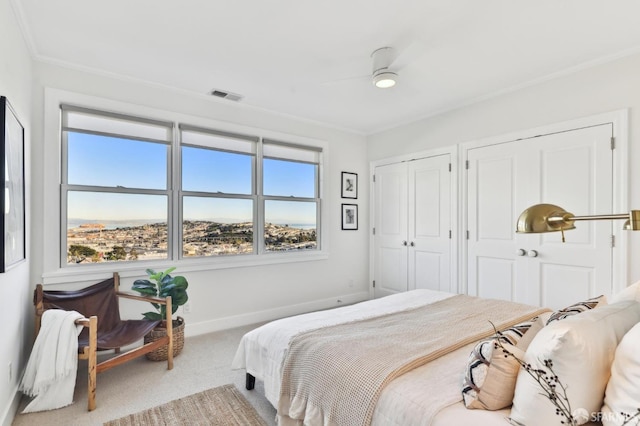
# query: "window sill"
(83, 273)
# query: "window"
(115, 188)
(218, 192)
(133, 192)
(291, 200)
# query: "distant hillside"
(94, 242)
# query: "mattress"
(403, 402)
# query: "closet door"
(429, 185)
(571, 169)
(390, 224)
(412, 224)
(575, 171)
(495, 178)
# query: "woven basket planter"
(161, 354)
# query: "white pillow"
(581, 348)
(630, 293)
(622, 394)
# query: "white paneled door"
(390, 229)
(412, 222)
(572, 169)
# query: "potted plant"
(164, 285)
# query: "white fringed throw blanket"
(334, 375)
(50, 375)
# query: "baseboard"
(11, 409)
(195, 329)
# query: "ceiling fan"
(386, 62)
(383, 77)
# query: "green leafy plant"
(163, 285)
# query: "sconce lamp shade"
(541, 218)
(633, 223)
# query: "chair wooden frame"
(90, 352)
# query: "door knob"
(532, 253)
(412, 244)
(521, 252)
(404, 243)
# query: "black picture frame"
(12, 198)
(350, 217)
(349, 186)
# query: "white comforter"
(406, 401)
(262, 350)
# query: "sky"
(106, 161)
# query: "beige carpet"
(138, 385)
(223, 405)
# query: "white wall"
(220, 298)
(604, 88)
(16, 313)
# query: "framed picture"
(349, 185)
(12, 247)
(350, 217)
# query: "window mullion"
(289, 198)
(259, 202)
(216, 195)
(63, 199)
(174, 175)
(114, 190)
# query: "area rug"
(223, 405)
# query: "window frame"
(206, 194)
(66, 187)
(55, 268)
(317, 198)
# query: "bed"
(408, 398)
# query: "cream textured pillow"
(577, 308)
(622, 395)
(490, 377)
(581, 348)
(630, 293)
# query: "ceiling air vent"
(225, 95)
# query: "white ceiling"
(303, 58)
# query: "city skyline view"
(95, 243)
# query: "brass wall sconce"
(542, 218)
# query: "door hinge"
(449, 167)
(374, 178)
(374, 231)
(467, 234)
(374, 283)
(466, 164)
(450, 233)
(613, 241)
(613, 143)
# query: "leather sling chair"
(103, 328)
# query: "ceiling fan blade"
(346, 80)
(407, 54)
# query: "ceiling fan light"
(384, 80)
